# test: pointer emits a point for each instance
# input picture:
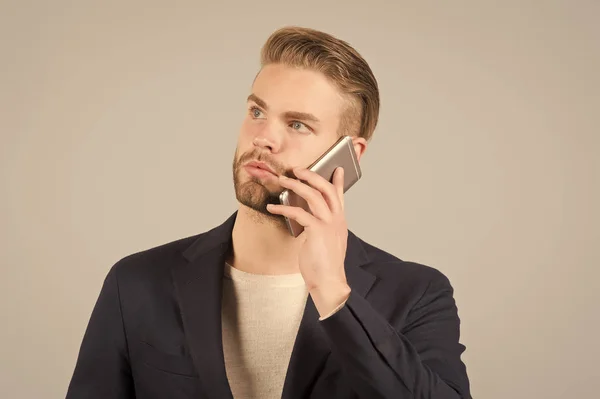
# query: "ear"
(360, 146)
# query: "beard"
(250, 191)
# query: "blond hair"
(339, 62)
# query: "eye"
(256, 112)
(300, 127)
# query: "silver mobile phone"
(341, 154)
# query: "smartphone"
(340, 154)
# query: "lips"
(262, 166)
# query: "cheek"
(247, 134)
(305, 153)
(250, 128)
(300, 153)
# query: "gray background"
(118, 127)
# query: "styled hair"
(339, 62)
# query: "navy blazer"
(155, 331)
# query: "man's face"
(292, 117)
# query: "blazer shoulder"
(152, 262)
(389, 266)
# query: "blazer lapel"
(311, 347)
(198, 282)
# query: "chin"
(256, 196)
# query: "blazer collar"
(198, 282)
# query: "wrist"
(328, 298)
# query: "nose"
(268, 139)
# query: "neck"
(262, 245)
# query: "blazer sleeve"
(102, 369)
(419, 360)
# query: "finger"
(327, 190)
(317, 204)
(303, 218)
(338, 182)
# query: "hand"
(321, 258)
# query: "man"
(246, 310)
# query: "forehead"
(286, 88)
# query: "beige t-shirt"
(260, 319)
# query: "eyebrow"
(259, 101)
(304, 116)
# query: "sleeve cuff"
(334, 311)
